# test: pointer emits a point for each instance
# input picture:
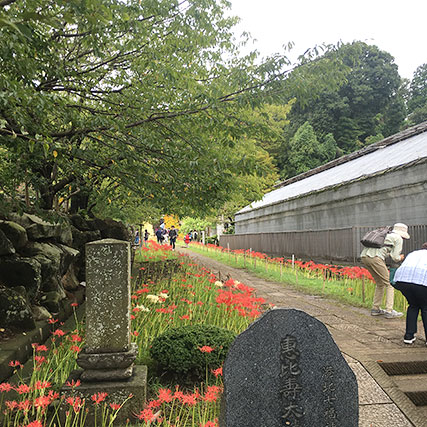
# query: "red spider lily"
(40, 360)
(146, 415)
(11, 404)
(135, 333)
(206, 349)
(42, 385)
(25, 405)
(98, 398)
(154, 404)
(73, 383)
(76, 403)
(59, 333)
(74, 304)
(15, 364)
(212, 393)
(38, 348)
(189, 399)
(115, 406)
(35, 424)
(42, 402)
(75, 348)
(5, 387)
(184, 317)
(217, 371)
(52, 321)
(210, 423)
(76, 338)
(165, 395)
(23, 388)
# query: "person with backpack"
(374, 260)
(411, 280)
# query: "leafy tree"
(417, 103)
(367, 103)
(102, 98)
(305, 151)
(329, 148)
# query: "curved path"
(371, 345)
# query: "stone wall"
(42, 263)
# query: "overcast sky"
(397, 27)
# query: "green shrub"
(178, 351)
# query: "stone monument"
(286, 370)
(107, 360)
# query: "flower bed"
(191, 296)
(352, 284)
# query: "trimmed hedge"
(179, 351)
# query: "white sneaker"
(393, 314)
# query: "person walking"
(411, 280)
(159, 236)
(374, 261)
(146, 236)
(187, 239)
(136, 239)
(173, 234)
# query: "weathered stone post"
(107, 360)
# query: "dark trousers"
(173, 240)
(417, 300)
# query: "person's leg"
(410, 293)
(379, 272)
(421, 294)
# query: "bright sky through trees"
(394, 26)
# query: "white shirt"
(413, 268)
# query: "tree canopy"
(108, 100)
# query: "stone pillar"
(108, 354)
(107, 360)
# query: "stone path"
(366, 342)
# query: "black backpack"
(375, 238)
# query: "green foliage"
(369, 102)
(305, 151)
(417, 103)
(178, 350)
(190, 224)
(105, 97)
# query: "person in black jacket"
(173, 234)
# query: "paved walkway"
(365, 341)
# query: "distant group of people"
(165, 235)
(138, 240)
(410, 278)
